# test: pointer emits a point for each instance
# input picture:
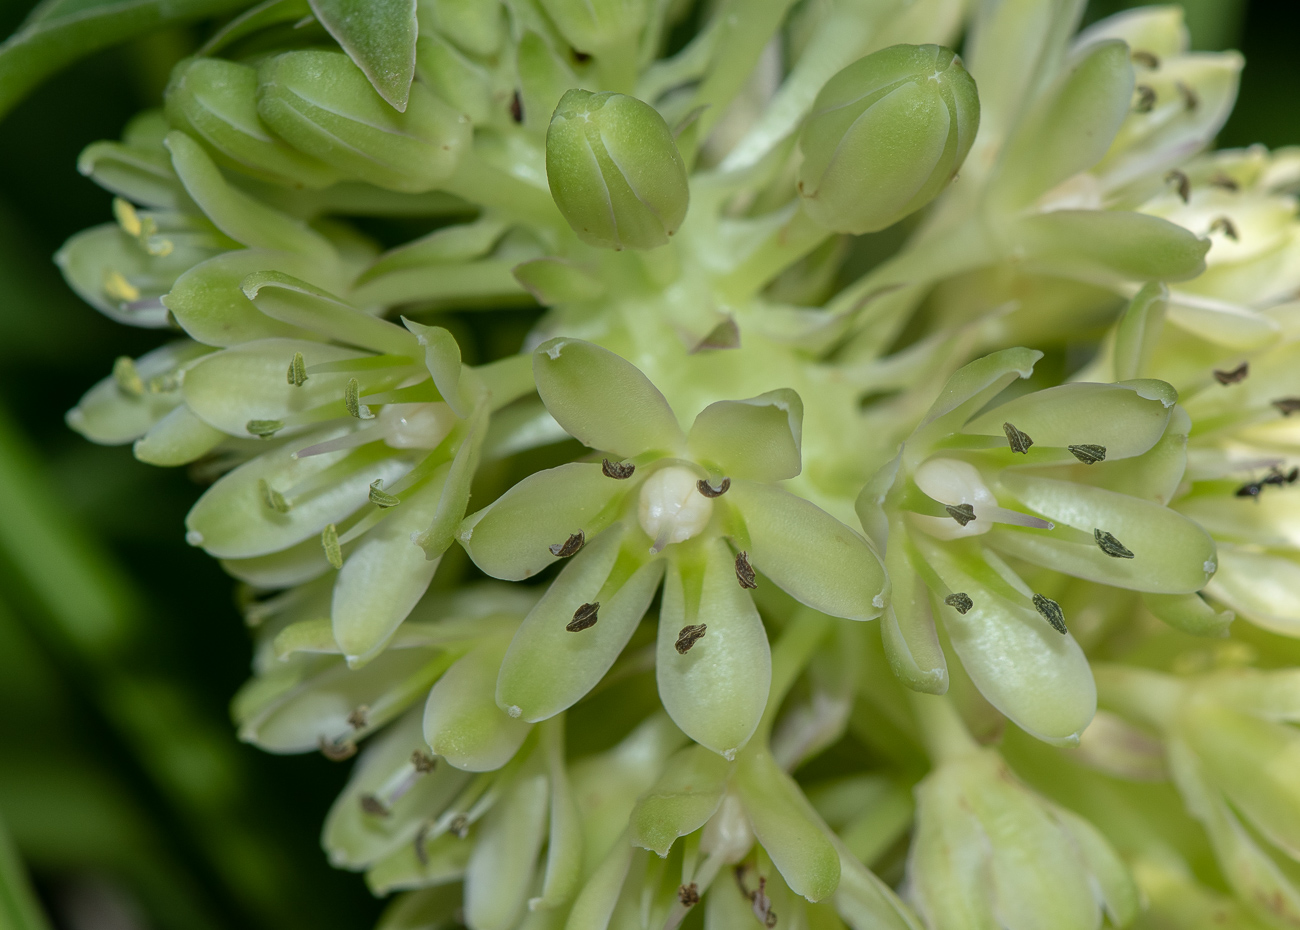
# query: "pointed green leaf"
(717, 689)
(809, 554)
(379, 35)
(462, 722)
(512, 536)
(604, 401)
(757, 439)
(548, 668)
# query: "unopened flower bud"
(615, 171)
(322, 104)
(886, 135)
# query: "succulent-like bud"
(615, 171)
(322, 104)
(216, 101)
(885, 136)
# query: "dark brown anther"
(619, 471)
(1051, 612)
(1191, 100)
(1182, 183)
(1088, 454)
(1287, 405)
(517, 108)
(1232, 377)
(459, 826)
(357, 719)
(337, 751)
(421, 854)
(745, 571)
(1146, 100)
(959, 602)
(373, 806)
(423, 762)
(1225, 182)
(1224, 225)
(569, 547)
(689, 636)
(1110, 545)
(1019, 442)
(1278, 478)
(581, 57)
(689, 895)
(710, 491)
(962, 513)
(584, 618)
(1250, 489)
(1145, 59)
(762, 904)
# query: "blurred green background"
(124, 795)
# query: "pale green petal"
(907, 625)
(295, 302)
(1171, 554)
(564, 845)
(1127, 418)
(462, 722)
(595, 903)
(500, 871)
(1138, 331)
(966, 392)
(285, 568)
(442, 358)
(109, 415)
(548, 668)
(1109, 246)
(717, 690)
(1262, 587)
(682, 800)
(1118, 894)
(1189, 613)
(808, 553)
(757, 439)
(787, 826)
(385, 574)
(510, 538)
(1025, 668)
(867, 903)
(604, 401)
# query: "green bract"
(885, 136)
(614, 171)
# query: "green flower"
(698, 510)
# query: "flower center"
(671, 508)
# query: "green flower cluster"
(740, 427)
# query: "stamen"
(1225, 182)
(962, 513)
(127, 217)
(1051, 611)
(584, 618)
(689, 895)
(689, 636)
(421, 854)
(1110, 545)
(710, 491)
(264, 429)
(745, 571)
(119, 288)
(337, 751)
(1145, 59)
(373, 806)
(329, 540)
(959, 602)
(1191, 100)
(1146, 101)
(1019, 442)
(1232, 377)
(127, 376)
(381, 498)
(1287, 405)
(517, 108)
(273, 499)
(569, 547)
(352, 400)
(1088, 454)
(617, 470)
(163, 384)
(459, 826)
(1183, 182)
(357, 719)
(297, 370)
(423, 762)
(1225, 225)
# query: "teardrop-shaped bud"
(614, 171)
(886, 135)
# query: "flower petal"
(604, 401)
(756, 439)
(462, 722)
(500, 871)
(1262, 587)
(683, 799)
(812, 556)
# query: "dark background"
(121, 781)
